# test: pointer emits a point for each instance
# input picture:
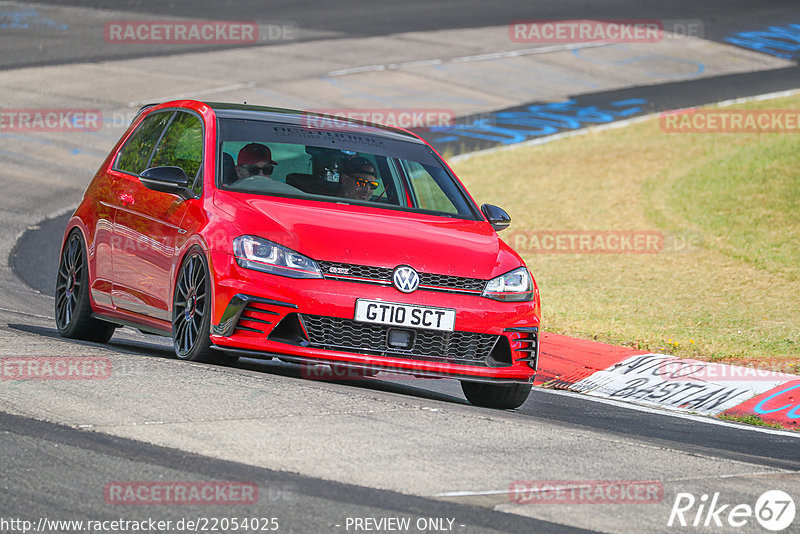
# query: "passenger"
(359, 179)
(254, 159)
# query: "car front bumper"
(257, 314)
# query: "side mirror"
(166, 180)
(497, 217)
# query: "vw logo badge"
(405, 279)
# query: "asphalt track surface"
(57, 456)
(71, 463)
(56, 471)
(354, 18)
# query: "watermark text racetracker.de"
(180, 493)
(406, 118)
(28, 120)
(730, 121)
(55, 368)
(197, 32)
(20, 120)
(682, 370)
(586, 492)
(355, 371)
(603, 31)
(602, 242)
(115, 526)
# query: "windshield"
(283, 160)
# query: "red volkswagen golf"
(261, 232)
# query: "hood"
(329, 231)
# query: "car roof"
(304, 118)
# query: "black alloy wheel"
(191, 310)
(73, 311)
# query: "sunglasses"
(363, 182)
(360, 182)
(255, 169)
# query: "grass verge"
(752, 420)
(725, 283)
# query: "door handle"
(126, 199)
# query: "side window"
(182, 146)
(427, 191)
(135, 154)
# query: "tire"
(73, 311)
(496, 395)
(191, 311)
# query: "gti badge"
(405, 279)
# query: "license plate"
(394, 314)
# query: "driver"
(254, 159)
(359, 179)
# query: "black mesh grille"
(361, 271)
(333, 333)
(384, 274)
(452, 282)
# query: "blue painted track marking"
(698, 67)
(508, 127)
(778, 41)
(26, 18)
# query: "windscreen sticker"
(361, 142)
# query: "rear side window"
(136, 153)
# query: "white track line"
(465, 59)
(578, 484)
(674, 413)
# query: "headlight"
(514, 286)
(256, 253)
